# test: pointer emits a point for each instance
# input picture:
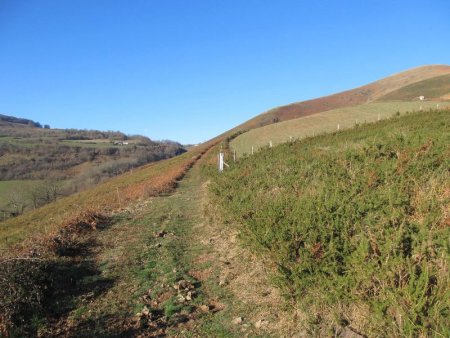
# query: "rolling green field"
(357, 223)
(36, 141)
(101, 143)
(324, 122)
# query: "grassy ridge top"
(323, 122)
(434, 88)
(353, 97)
(356, 221)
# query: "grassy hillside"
(357, 223)
(6, 120)
(353, 97)
(323, 122)
(435, 88)
(68, 160)
(37, 153)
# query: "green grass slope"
(435, 89)
(323, 123)
(357, 223)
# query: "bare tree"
(17, 203)
(44, 193)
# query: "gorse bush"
(357, 222)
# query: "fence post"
(270, 144)
(118, 197)
(220, 162)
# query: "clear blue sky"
(189, 70)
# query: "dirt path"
(238, 280)
(174, 270)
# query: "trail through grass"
(153, 246)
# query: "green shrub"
(356, 221)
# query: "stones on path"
(185, 290)
(209, 241)
(183, 285)
(223, 280)
(162, 234)
(237, 320)
(148, 300)
(145, 312)
(212, 307)
(262, 323)
(204, 308)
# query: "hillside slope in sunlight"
(357, 223)
(353, 97)
(435, 92)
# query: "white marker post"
(270, 144)
(234, 156)
(221, 162)
(252, 150)
(338, 127)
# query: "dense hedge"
(358, 223)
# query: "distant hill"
(353, 97)
(71, 160)
(11, 120)
(21, 127)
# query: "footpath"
(167, 267)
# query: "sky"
(189, 70)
